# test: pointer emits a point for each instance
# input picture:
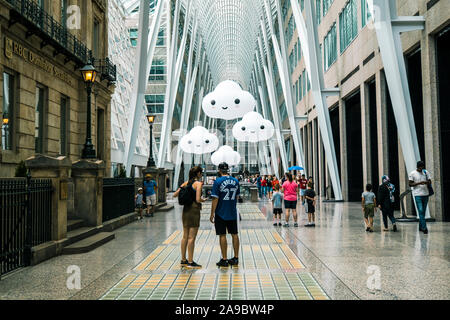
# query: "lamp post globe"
(89, 74)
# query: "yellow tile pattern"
(222, 286)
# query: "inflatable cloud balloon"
(228, 101)
(199, 140)
(253, 128)
(226, 154)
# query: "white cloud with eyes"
(199, 141)
(253, 128)
(228, 101)
(226, 154)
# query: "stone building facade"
(364, 127)
(43, 109)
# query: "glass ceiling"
(229, 29)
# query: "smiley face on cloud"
(228, 101)
(226, 154)
(199, 141)
(253, 128)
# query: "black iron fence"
(118, 197)
(25, 219)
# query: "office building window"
(158, 70)
(325, 6)
(39, 119)
(283, 112)
(285, 9)
(303, 84)
(8, 111)
(318, 15)
(161, 38)
(299, 51)
(299, 88)
(308, 83)
(64, 12)
(365, 13)
(133, 36)
(96, 39)
(155, 103)
(64, 125)
(348, 25)
(330, 47)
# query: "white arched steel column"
(173, 80)
(388, 26)
(308, 37)
(262, 99)
(145, 51)
(268, 74)
(187, 101)
(283, 70)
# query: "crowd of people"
(226, 191)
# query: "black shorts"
(310, 208)
(277, 211)
(290, 204)
(222, 226)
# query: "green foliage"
(21, 170)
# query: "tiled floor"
(330, 261)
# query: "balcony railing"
(106, 69)
(39, 22)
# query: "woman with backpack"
(190, 196)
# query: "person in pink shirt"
(289, 189)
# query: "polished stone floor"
(334, 260)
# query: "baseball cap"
(223, 167)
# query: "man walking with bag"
(420, 183)
(224, 213)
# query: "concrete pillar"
(315, 155)
(403, 178)
(365, 134)
(343, 141)
(431, 119)
(57, 170)
(322, 166)
(87, 178)
(381, 95)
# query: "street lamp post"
(151, 161)
(89, 74)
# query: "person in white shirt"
(419, 180)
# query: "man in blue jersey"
(224, 213)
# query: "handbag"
(430, 187)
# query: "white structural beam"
(388, 27)
(174, 72)
(145, 51)
(268, 74)
(283, 69)
(271, 142)
(307, 32)
(187, 101)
